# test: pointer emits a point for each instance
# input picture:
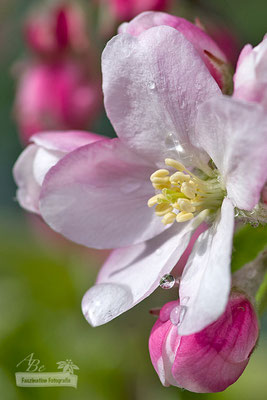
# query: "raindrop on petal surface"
(167, 281)
(175, 315)
(151, 85)
(183, 310)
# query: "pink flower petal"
(36, 160)
(152, 86)
(206, 279)
(158, 336)
(65, 141)
(136, 271)
(250, 79)
(234, 135)
(28, 188)
(198, 37)
(97, 196)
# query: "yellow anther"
(189, 189)
(162, 209)
(176, 205)
(160, 180)
(184, 216)
(183, 195)
(168, 218)
(152, 201)
(158, 186)
(175, 164)
(179, 177)
(186, 205)
(159, 173)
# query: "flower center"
(183, 195)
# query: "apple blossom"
(166, 109)
(52, 31)
(250, 79)
(36, 160)
(210, 360)
(55, 96)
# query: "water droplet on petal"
(158, 252)
(104, 301)
(151, 85)
(167, 281)
(185, 300)
(183, 310)
(175, 315)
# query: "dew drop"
(185, 300)
(167, 281)
(175, 315)
(183, 310)
(151, 85)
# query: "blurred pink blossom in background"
(210, 360)
(52, 31)
(250, 79)
(127, 9)
(58, 85)
(55, 96)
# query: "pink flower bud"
(210, 360)
(225, 37)
(250, 79)
(208, 50)
(56, 96)
(53, 30)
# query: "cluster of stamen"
(182, 195)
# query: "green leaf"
(248, 242)
(261, 297)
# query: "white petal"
(206, 279)
(131, 274)
(152, 87)
(234, 135)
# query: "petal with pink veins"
(97, 196)
(198, 37)
(152, 87)
(65, 141)
(36, 160)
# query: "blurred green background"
(43, 278)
